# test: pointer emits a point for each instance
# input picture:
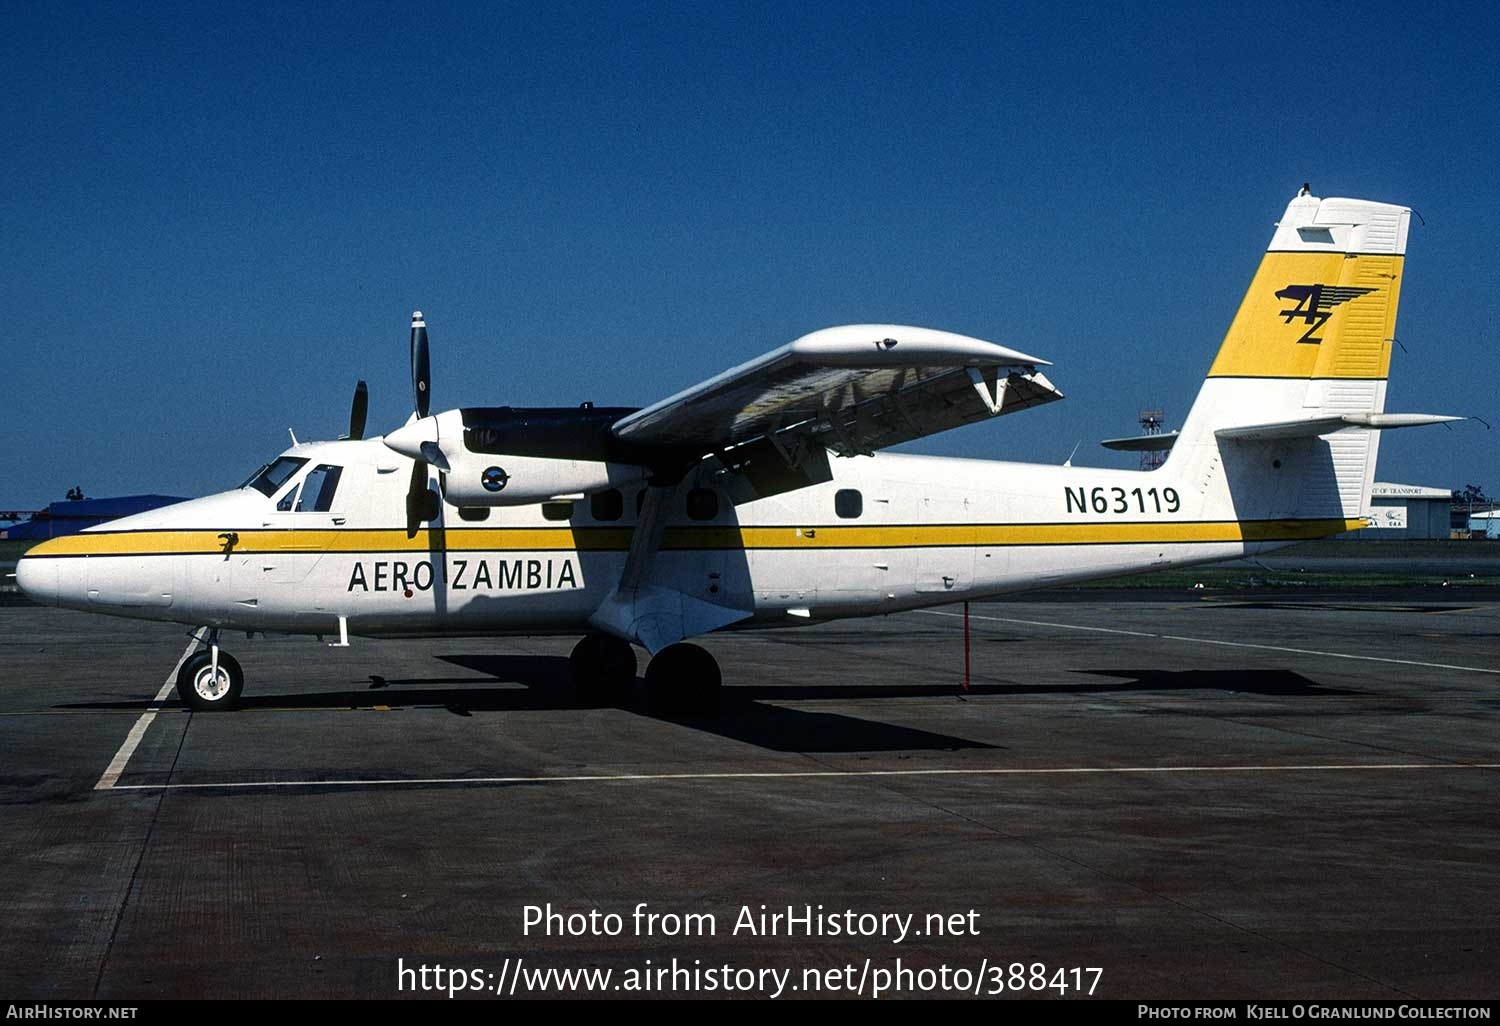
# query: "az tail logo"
(1315, 305)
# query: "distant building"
(1486, 524)
(1399, 511)
(70, 517)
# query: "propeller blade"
(421, 368)
(422, 503)
(434, 455)
(418, 499)
(357, 411)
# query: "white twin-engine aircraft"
(720, 507)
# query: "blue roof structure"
(74, 515)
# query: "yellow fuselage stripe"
(617, 539)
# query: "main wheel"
(203, 691)
(684, 678)
(602, 667)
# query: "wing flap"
(852, 389)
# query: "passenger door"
(945, 556)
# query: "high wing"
(850, 389)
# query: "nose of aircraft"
(38, 579)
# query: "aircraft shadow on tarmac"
(544, 685)
(1307, 605)
(748, 713)
(741, 717)
(1275, 683)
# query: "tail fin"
(1322, 305)
(1311, 342)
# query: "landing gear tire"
(602, 669)
(201, 691)
(684, 678)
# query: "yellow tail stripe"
(1343, 330)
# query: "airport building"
(1485, 524)
(1402, 512)
(74, 515)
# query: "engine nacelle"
(496, 479)
(516, 456)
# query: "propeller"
(418, 438)
(419, 500)
(357, 411)
(421, 366)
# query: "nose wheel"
(210, 680)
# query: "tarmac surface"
(1205, 795)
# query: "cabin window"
(557, 510)
(269, 479)
(702, 504)
(607, 505)
(473, 514)
(848, 503)
(285, 505)
(318, 488)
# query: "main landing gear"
(210, 680)
(681, 678)
(602, 668)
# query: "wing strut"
(651, 614)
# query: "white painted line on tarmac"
(1212, 641)
(649, 778)
(111, 776)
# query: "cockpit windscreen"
(272, 476)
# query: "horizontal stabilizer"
(1141, 443)
(1310, 427)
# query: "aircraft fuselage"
(888, 533)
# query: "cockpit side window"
(318, 488)
(273, 475)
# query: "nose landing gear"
(210, 680)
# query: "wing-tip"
(878, 345)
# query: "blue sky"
(217, 217)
